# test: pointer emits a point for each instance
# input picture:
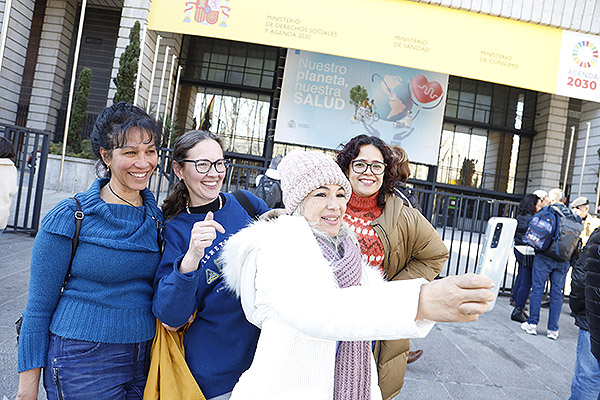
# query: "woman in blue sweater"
(93, 340)
(220, 342)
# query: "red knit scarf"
(359, 215)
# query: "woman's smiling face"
(366, 184)
(203, 187)
(325, 207)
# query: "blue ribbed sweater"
(108, 297)
(220, 343)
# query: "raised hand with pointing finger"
(220, 342)
(202, 235)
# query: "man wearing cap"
(581, 207)
(543, 195)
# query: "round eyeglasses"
(203, 166)
(360, 167)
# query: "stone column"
(547, 151)
(50, 71)
(15, 53)
(590, 112)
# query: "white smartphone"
(498, 244)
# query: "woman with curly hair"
(395, 238)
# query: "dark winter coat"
(522, 224)
(577, 296)
(592, 297)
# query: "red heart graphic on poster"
(425, 91)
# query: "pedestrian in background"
(543, 195)
(92, 335)
(394, 238)
(524, 254)
(592, 302)
(544, 266)
(8, 180)
(585, 384)
(581, 207)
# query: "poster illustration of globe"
(326, 100)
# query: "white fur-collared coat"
(288, 289)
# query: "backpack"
(566, 236)
(409, 199)
(553, 233)
(540, 230)
(269, 190)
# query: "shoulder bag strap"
(402, 196)
(243, 200)
(78, 218)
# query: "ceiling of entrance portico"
(106, 3)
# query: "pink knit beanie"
(303, 171)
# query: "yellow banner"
(394, 32)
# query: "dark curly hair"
(179, 193)
(6, 149)
(350, 151)
(113, 126)
(527, 205)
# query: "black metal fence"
(239, 176)
(31, 147)
(461, 221)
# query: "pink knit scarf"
(352, 378)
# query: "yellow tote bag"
(169, 377)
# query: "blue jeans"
(523, 281)
(542, 268)
(586, 380)
(76, 369)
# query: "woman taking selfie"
(199, 218)
(301, 280)
(394, 238)
(93, 339)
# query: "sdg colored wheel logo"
(585, 54)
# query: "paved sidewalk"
(488, 359)
(15, 256)
(493, 358)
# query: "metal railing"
(31, 148)
(461, 221)
(239, 176)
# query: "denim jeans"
(542, 268)
(76, 369)
(586, 380)
(523, 281)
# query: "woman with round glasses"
(394, 238)
(199, 218)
